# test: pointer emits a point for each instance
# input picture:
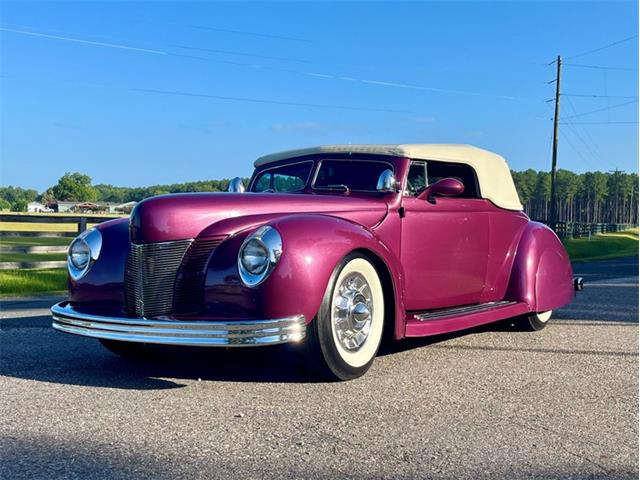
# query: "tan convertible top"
(492, 170)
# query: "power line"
(328, 76)
(618, 42)
(253, 34)
(263, 100)
(598, 123)
(595, 152)
(590, 147)
(588, 95)
(573, 147)
(87, 42)
(601, 67)
(122, 43)
(215, 97)
(604, 109)
(584, 129)
(241, 54)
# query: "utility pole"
(554, 158)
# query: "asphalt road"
(492, 403)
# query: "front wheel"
(345, 335)
(534, 321)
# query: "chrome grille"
(150, 277)
(189, 292)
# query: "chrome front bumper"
(237, 333)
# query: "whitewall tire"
(534, 321)
(346, 334)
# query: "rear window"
(462, 172)
(354, 174)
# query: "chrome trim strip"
(238, 333)
(466, 310)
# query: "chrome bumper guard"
(237, 333)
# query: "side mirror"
(387, 182)
(236, 185)
(445, 187)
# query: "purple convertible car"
(329, 248)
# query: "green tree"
(15, 194)
(75, 187)
(19, 205)
(567, 185)
(47, 197)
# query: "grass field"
(604, 246)
(40, 227)
(35, 241)
(30, 282)
(65, 214)
(32, 257)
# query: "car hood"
(181, 216)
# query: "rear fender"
(542, 276)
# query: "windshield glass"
(350, 174)
(286, 178)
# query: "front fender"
(313, 244)
(104, 281)
(542, 275)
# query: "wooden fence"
(576, 230)
(563, 229)
(81, 222)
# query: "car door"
(445, 243)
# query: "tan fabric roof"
(493, 172)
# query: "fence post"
(82, 224)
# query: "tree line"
(591, 197)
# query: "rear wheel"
(343, 339)
(534, 321)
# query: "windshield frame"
(397, 164)
(259, 173)
(352, 160)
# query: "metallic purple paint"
(186, 215)
(104, 281)
(448, 252)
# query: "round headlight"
(79, 254)
(255, 257)
(259, 255)
(83, 252)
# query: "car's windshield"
(359, 175)
(285, 178)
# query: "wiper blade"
(341, 187)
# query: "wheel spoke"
(352, 311)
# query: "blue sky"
(141, 93)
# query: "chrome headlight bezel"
(92, 241)
(268, 239)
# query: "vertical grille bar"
(150, 277)
(189, 291)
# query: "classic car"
(329, 248)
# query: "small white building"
(37, 207)
(66, 207)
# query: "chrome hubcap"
(352, 311)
